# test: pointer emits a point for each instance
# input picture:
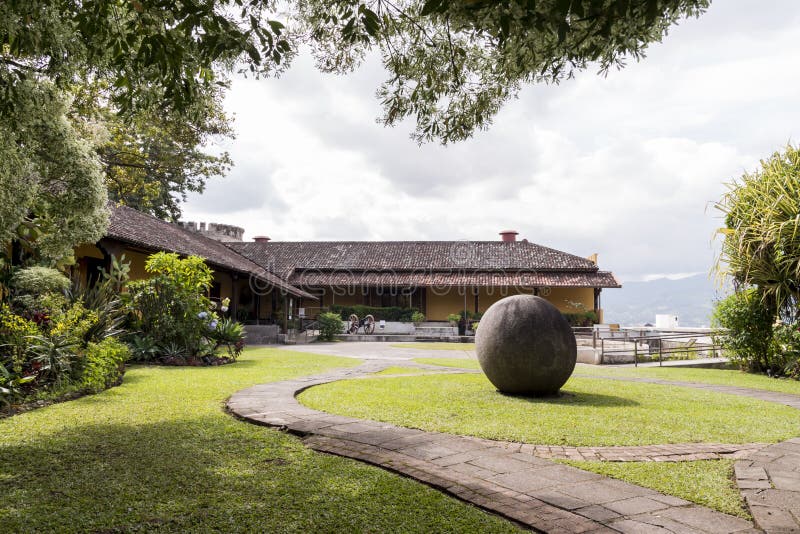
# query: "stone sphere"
(525, 346)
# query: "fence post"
(602, 350)
(636, 353)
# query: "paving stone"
(635, 505)
(629, 526)
(524, 482)
(499, 464)
(785, 480)
(705, 520)
(772, 519)
(597, 513)
(561, 500)
(599, 491)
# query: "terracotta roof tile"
(521, 279)
(284, 258)
(148, 232)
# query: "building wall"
(561, 297)
(441, 303)
(137, 271)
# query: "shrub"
(417, 317)
(102, 365)
(172, 312)
(39, 281)
(453, 317)
(75, 323)
(786, 348)
(15, 338)
(747, 337)
(392, 313)
(587, 318)
(330, 325)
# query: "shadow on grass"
(567, 398)
(207, 474)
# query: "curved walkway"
(515, 481)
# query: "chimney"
(261, 239)
(509, 236)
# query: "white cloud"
(624, 165)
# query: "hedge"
(393, 313)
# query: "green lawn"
(160, 454)
(708, 483)
(401, 371)
(450, 362)
(725, 377)
(435, 346)
(593, 411)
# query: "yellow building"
(437, 277)
(256, 295)
(270, 282)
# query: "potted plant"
(453, 319)
(417, 318)
(462, 325)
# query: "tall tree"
(151, 160)
(451, 65)
(51, 183)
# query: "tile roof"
(521, 279)
(312, 263)
(140, 229)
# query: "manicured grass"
(435, 346)
(725, 377)
(708, 482)
(160, 454)
(592, 411)
(450, 362)
(401, 371)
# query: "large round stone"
(525, 346)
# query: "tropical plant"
(761, 238)
(52, 359)
(103, 299)
(417, 317)
(330, 326)
(230, 334)
(143, 348)
(453, 318)
(10, 386)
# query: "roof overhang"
(594, 279)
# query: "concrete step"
(436, 331)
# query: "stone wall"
(263, 334)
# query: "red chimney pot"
(261, 239)
(509, 236)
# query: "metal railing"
(649, 344)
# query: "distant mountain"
(691, 299)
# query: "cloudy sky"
(625, 165)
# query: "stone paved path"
(511, 480)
